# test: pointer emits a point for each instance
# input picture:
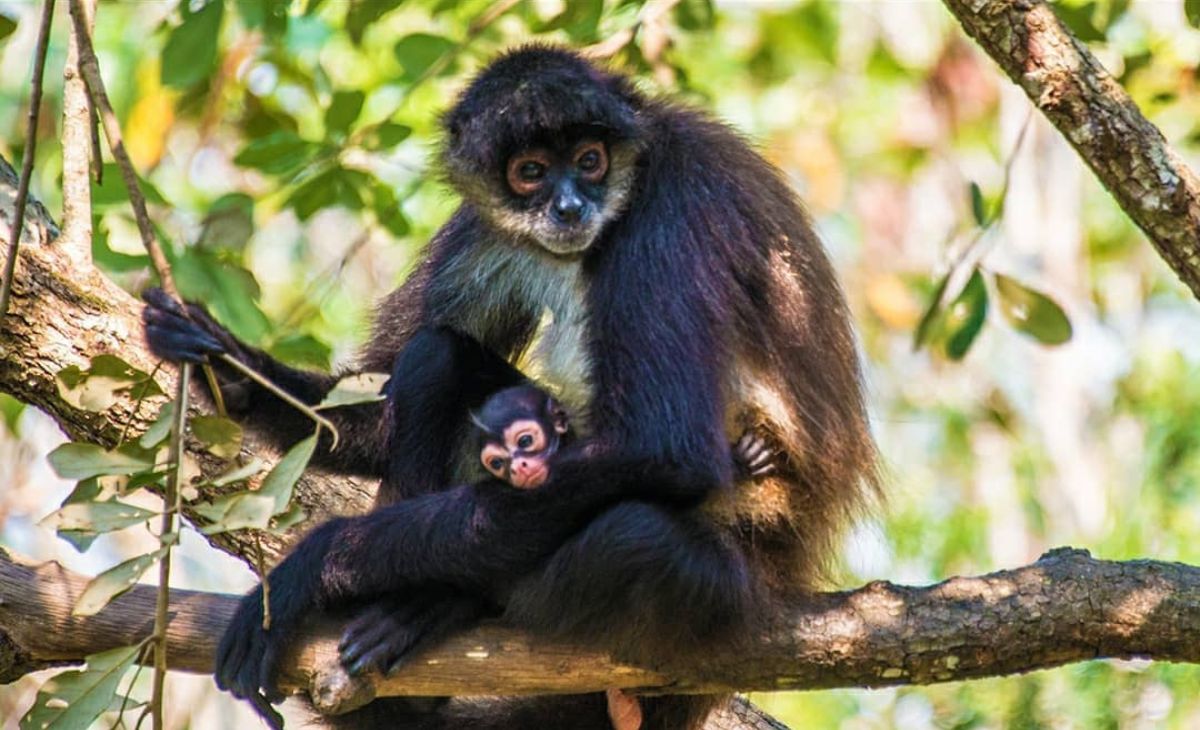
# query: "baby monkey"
(522, 428)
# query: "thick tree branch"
(1066, 607)
(1069, 85)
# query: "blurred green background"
(287, 146)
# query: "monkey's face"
(562, 194)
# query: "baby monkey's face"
(522, 428)
(522, 458)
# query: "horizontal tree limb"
(1071, 87)
(1064, 608)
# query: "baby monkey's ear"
(558, 416)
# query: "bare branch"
(79, 155)
(1066, 607)
(35, 106)
(1069, 85)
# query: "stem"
(90, 68)
(283, 395)
(171, 500)
(35, 105)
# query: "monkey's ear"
(559, 419)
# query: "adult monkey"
(689, 301)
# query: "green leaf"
(361, 388)
(115, 581)
(113, 192)
(694, 15)
(276, 154)
(387, 209)
(221, 436)
(580, 19)
(80, 461)
(313, 195)
(1191, 8)
(74, 699)
(7, 26)
(385, 136)
(97, 388)
(229, 222)
(160, 429)
(978, 210)
(10, 412)
(1080, 19)
(932, 315)
(270, 15)
(239, 473)
(1032, 312)
(279, 483)
(237, 512)
(303, 350)
(342, 111)
(191, 49)
(229, 290)
(364, 12)
(965, 317)
(95, 517)
(419, 51)
(281, 523)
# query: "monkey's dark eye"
(591, 160)
(525, 441)
(531, 171)
(496, 464)
(526, 171)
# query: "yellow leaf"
(892, 301)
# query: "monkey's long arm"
(480, 538)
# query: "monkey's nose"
(567, 209)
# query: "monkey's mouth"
(567, 238)
(531, 479)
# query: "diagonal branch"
(1069, 85)
(1066, 607)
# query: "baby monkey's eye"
(496, 464)
(525, 441)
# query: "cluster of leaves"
(243, 495)
(955, 317)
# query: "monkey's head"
(545, 145)
(521, 429)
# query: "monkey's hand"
(390, 631)
(248, 658)
(753, 457)
(180, 336)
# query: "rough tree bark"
(1066, 607)
(1077, 94)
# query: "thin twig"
(283, 395)
(90, 68)
(171, 500)
(35, 105)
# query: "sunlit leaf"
(932, 314)
(978, 209)
(580, 19)
(95, 517)
(361, 388)
(1032, 312)
(269, 15)
(279, 483)
(160, 429)
(276, 154)
(80, 461)
(74, 699)
(239, 473)
(191, 49)
(97, 388)
(965, 317)
(385, 136)
(303, 350)
(364, 12)
(419, 51)
(693, 15)
(221, 436)
(10, 412)
(293, 516)
(1191, 8)
(115, 581)
(237, 512)
(1079, 17)
(7, 26)
(343, 110)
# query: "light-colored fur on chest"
(504, 275)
